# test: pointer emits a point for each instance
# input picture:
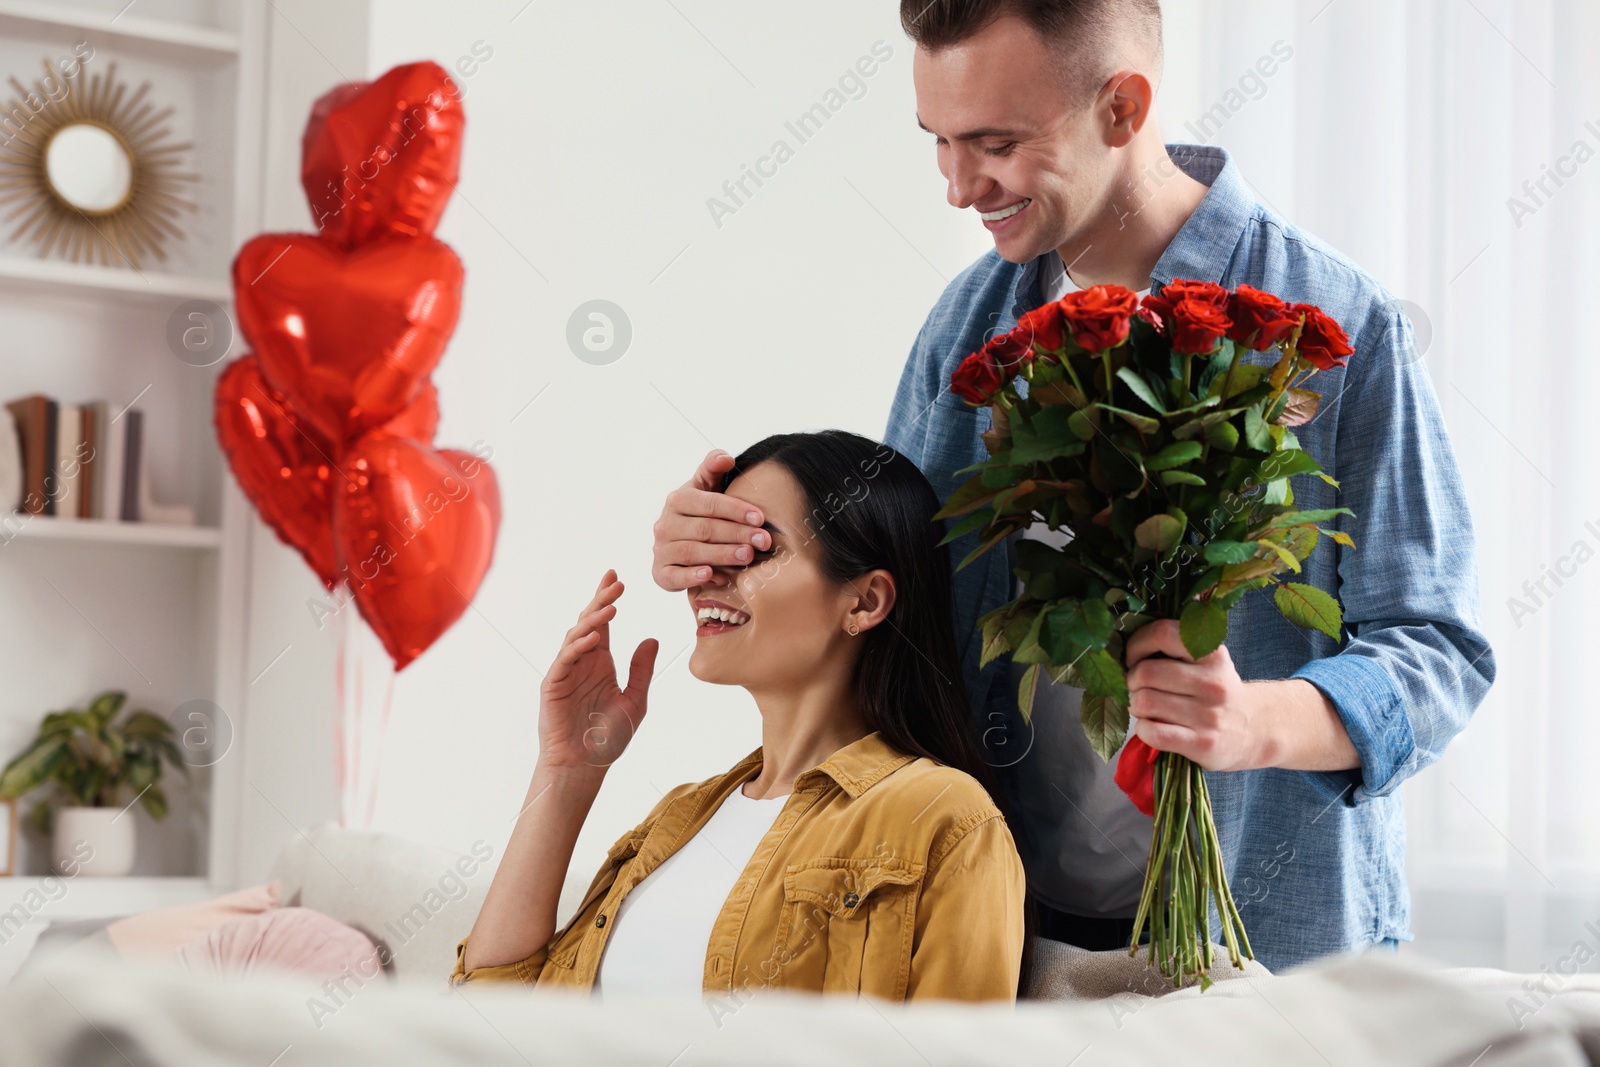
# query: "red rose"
(1196, 325)
(1157, 312)
(1043, 325)
(1136, 772)
(977, 379)
(1180, 289)
(1009, 350)
(1260, 320)
(1322, 341)
(1099, 316)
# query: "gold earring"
(854, 629)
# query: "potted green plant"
(89, 763)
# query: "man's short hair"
(1089, 35)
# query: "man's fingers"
(708, 530)
(677, 579)
(712, 468)
(688, 500)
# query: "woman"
(859, 849)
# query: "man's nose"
(967, 185)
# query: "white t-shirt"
(1055, 282)
(1093, 841)
(659, 936)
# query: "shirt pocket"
(847, 925)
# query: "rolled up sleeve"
(1417, 662)
(525, 971)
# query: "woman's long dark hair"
(867, 507)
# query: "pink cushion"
(159, 932)
(300, 940)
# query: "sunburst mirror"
(90, 170)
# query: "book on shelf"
(79, 461)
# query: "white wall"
(592, 146)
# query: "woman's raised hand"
(585, 720)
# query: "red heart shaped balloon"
(381, 158)
(287, 468)
(348, 337)
(415, 531)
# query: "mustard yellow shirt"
(884, 874)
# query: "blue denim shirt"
(1316, 860)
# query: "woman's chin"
(707, 669)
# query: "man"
(1041, 111)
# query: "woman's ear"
(874, 593)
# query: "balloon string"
(357, 771)
(377, 763)
(339, 713)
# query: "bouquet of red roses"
(1159, 434)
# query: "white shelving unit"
(156, 610)
(113, 283)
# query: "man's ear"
(1126, 98)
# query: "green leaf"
(1245, 376)
(1181, 478)
(1214, 370)
(1141, 388)
(1105, 722)
(1309, 608)
(994, 638)
(1202, 626)
(1045, 436)
(1159, 533)
(1289, 559)
(986, 546)
(1025, 690)
(976, 521)
(1301, 540)
(1239, 573)
(1299, 518)
(1083, 424)
(155, 802)
(1225, 435)
(1029, 649)
(1142, 423)
(1174, 455)
(971, 494)
(1080, 623)
(1225, 552)
(33, 767)
(1283, 464)
(1256, 433)
(106, 705)
(1102, 675)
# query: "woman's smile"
(715, 617)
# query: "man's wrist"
(1303, 729)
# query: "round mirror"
(89, 168)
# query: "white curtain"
(1452, 148)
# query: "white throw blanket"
(1355, 1012)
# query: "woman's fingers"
(604, 593)
(641, 669)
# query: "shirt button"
(601, 921)
(851, 900)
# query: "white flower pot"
(93, 842)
